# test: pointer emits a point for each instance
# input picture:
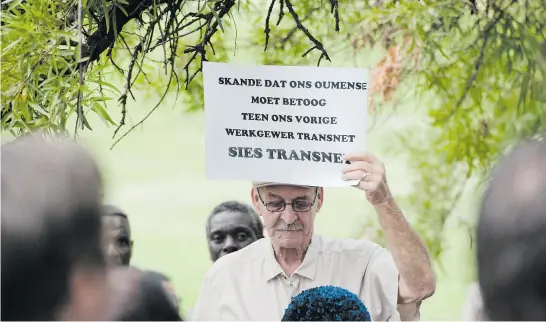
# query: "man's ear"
(320, 198)
(256, 201)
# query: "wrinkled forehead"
(288, 192)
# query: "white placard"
(283, 124)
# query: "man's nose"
(229, 245)
(289, 216)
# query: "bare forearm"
(417, 280)
(408, 250)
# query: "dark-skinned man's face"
(117, 240)
(229, 232)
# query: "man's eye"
(217, 239)
(123, 242)
(275, 204)
(242, 236)
(302, 205)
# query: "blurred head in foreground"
(326, 303)
(167, 286)
(231, 226)
(511, 237)
(143, 296)
(118, 245)
(52, 262)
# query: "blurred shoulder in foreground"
(142, 296)
(511, 237)
(52, 261)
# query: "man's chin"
(290, 239)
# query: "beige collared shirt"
(250, 284)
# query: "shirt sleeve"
(206, 308)
(381, 285)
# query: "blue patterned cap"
(326, 303)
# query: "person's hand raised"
(371, 174)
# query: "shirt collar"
(307, 269)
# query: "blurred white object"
(473, 309)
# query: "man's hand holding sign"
(257, 282)
(370, 175)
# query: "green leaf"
(99, 110)
(39, 108)
(85, 122)
(525, 86)
(14, 43)
(111, 86)
(106, 14)
(83, 60)
(216, 16)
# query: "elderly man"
(118, 245)
(258, 282)
(511, 239)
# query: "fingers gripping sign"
(370, 172)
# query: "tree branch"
(317, 44)
(107, 20)
(335, 12)
(267, 30)
(487, 33)
(103, 38)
